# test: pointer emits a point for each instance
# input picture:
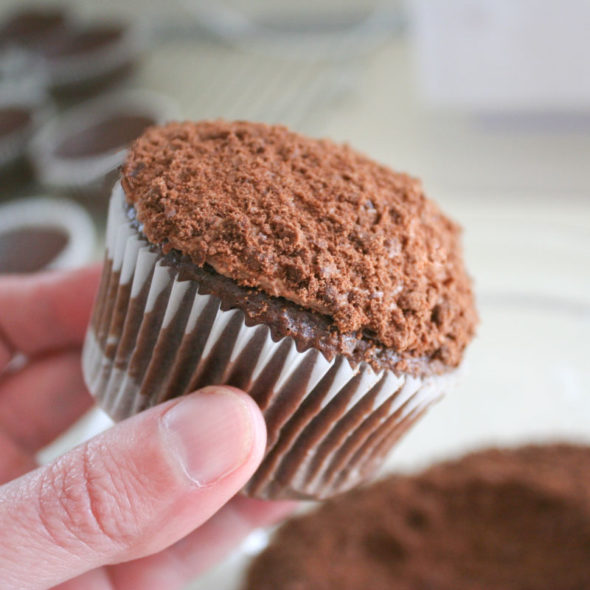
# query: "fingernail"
(211, 433)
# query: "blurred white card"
(494, 55)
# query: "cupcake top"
(310, 221)
(497, 519)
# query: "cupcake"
(23, 109)
(325, 285)
(79, 153)
(43, 233)
(494, 520)
(33, 27)
(89, 58)
(16, 123)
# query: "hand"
(132, 496)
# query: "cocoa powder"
(494, 520)
(310, 221)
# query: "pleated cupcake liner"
(154, 337)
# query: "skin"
(148, 504)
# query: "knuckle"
(89, 501)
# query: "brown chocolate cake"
(495, 520)
(324, 284)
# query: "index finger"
(47, 311)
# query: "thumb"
(131, 491)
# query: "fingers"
(131, 491)
(43, 399)
(173, 568)
(47, 311)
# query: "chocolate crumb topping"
(495, 520)
(310, 221)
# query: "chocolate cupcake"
(90, 58)
(23, 109)
(325, 285)
(33, 27)
(16, 123)
(494, 520)
(79, 153)
(43, 233)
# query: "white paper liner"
(154, 337)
